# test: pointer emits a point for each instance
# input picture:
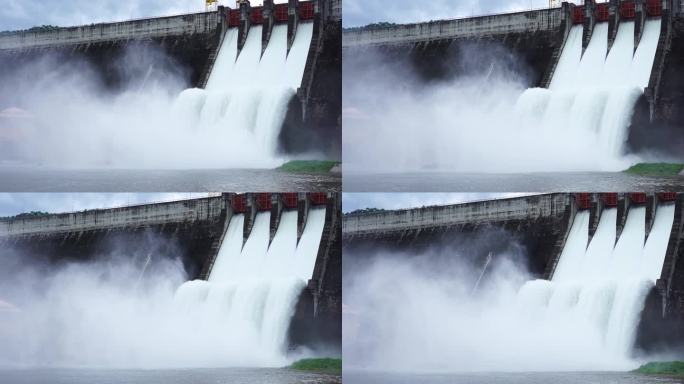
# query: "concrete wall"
(199, 23)
(537, 223)
(109, 219)
(336, 10)
(317, 321)
(658, 121)
(530, 208)
(530, 21)
(527, 43)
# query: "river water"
(508, 378)
(190, 376)
(510, 182)
(34, 179)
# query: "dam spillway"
(286, 58)
(256, 287)
(609, 111)
(600, 284)
(268, 255)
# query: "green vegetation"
(369, 27)
(308, 166)
(656, 169)
(672, 368)
(42, 28)
(27, 215)
(329, 366)
(366, 210)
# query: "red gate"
(264, 202)
(654, 8)
(306, 10)
(583, 200)
(628, 10)
(281, 12)
(290, 200)
(239, 204)
(320, 198)
(257, 15)
(234, 18)
(638, 198)
(610, 199)
(602, 12)
(578, 15)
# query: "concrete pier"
(198, 23)
(481, 26)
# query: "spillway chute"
(592, 94)
(252, 289)
(602, 287)
(246, 98)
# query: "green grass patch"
(329, 366)
(314, 166)
(656, 169)
(672, 368)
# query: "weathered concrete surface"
(114, 218)
(538, 223)
(525, 43)
(186, 229)
(519, 208)
(475, 27)
(190, 24)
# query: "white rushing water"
(253, 289)
(592, 94)
(246, 97)
(598, 289)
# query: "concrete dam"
(587, 53)
(274, 254)
(294, 46)
(608, 258)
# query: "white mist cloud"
(483, 120)
(124, 312)
(151, 123)
(416, 315)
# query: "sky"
(354, 201)
(363, 12)
(22, 14)
(14, 203)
